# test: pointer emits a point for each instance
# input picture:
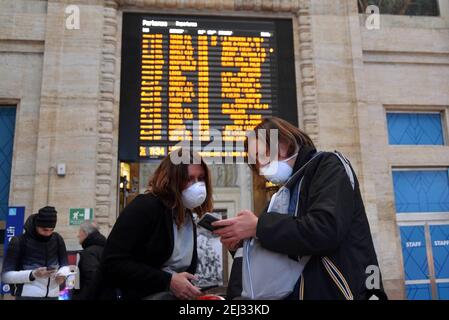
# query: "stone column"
(444, 9)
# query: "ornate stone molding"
(307, 69)
(105, 153)
(237, 5)
(105, 116)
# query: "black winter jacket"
(89, 264)
(140, 242)
(332, 227)
(30, 251)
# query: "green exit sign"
(78, 216)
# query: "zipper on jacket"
(48, 286)
(249, 268)
(301, 287)
(46, 264)
(338, 278)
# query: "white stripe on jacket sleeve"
(11, 277)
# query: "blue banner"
(14, 227)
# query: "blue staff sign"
(14, 227)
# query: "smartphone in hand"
(206, 222)
(204, 289)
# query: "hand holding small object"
(42, 272)
(59, 278)
(182, 288)
(241, 227)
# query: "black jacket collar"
(305, 154)
(94, 239)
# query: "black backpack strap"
(16, 289)
(348, 167)
(58, 243)
(22, 249)
(58, 249)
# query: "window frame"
(418, 216)
(444, 118)
(432, 280)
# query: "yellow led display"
(220, 81)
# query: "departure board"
(189, 78)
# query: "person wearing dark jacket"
(93, 243)
(330, 225)
(151, 250)
(36, 261)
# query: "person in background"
(93, 243)
(151, 250)
(36, 262)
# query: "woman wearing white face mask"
(151, 250)
(320, 221)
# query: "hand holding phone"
(206, 221)
(204, 289)
(51, 269)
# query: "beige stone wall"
(360, 75)
(66, 84)
(52, 73)
(68, 116)
(405, 67)
(22, 34)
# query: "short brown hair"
(169, 180)
(288, 134)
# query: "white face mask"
(277, 172)
(194, 196)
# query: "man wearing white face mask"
(313, 239)
(151, 250)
